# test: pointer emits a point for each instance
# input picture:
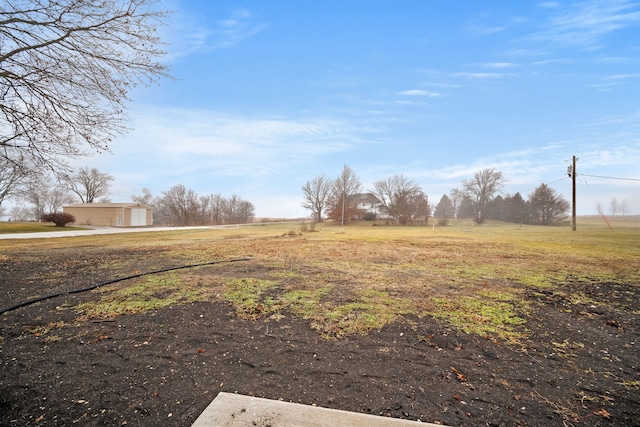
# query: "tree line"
(402, 200)
(40, 196)
(43, 194)
(180, 206)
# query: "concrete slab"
(237, 410)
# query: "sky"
(267, 95)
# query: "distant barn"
(111, 214)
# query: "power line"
(548, 184)
(610, 177)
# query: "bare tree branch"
(66, 68)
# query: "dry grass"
(357, 278)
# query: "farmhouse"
(367, 206)
(111, 214)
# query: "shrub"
(60, 219)
(306, 227)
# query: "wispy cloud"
(499, 65)
(419, 93)
(187, 35)
(197, 143)
(470, 75)
(585, 24)
(480, 28)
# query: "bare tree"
(316, 196)
(214, 209)
(21, 213)
(44, 198)
(237, 211)
(481, 189)
(624, 207)
(547, 206)
(11, 177)
(181, 205)
(146, 198)
(66, 68)
(344, 188)
(394, 194)
(89, 184)
(456, 196)
(613, 206)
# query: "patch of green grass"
(150, 293)
(370, 310)
(485, 317)
(246, 295)
(303, 302)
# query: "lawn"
(10, 227)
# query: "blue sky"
(269, 94)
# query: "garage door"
(138, 217)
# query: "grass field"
(31, 227)
(359, 277)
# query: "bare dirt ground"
(579, 364)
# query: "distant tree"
(444, 210)
(213, 206)
(181, 205)
(613, 206)
(316, 196)
(481, 189)
(341, 201)
(89, 184)
(624, 207)
(42, 197)
(237, 211)
(456, 196)
(547, 206)
(495, 209)
(146, 198)
(394, 195)
(418, 209)
(516, 209)
(57, 198)
(21, 213)
(466, 208)
(66, 68)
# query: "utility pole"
(572, 174)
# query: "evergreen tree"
(444, 210)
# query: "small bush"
(369, 216)
(60, 219)
(306, 227)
